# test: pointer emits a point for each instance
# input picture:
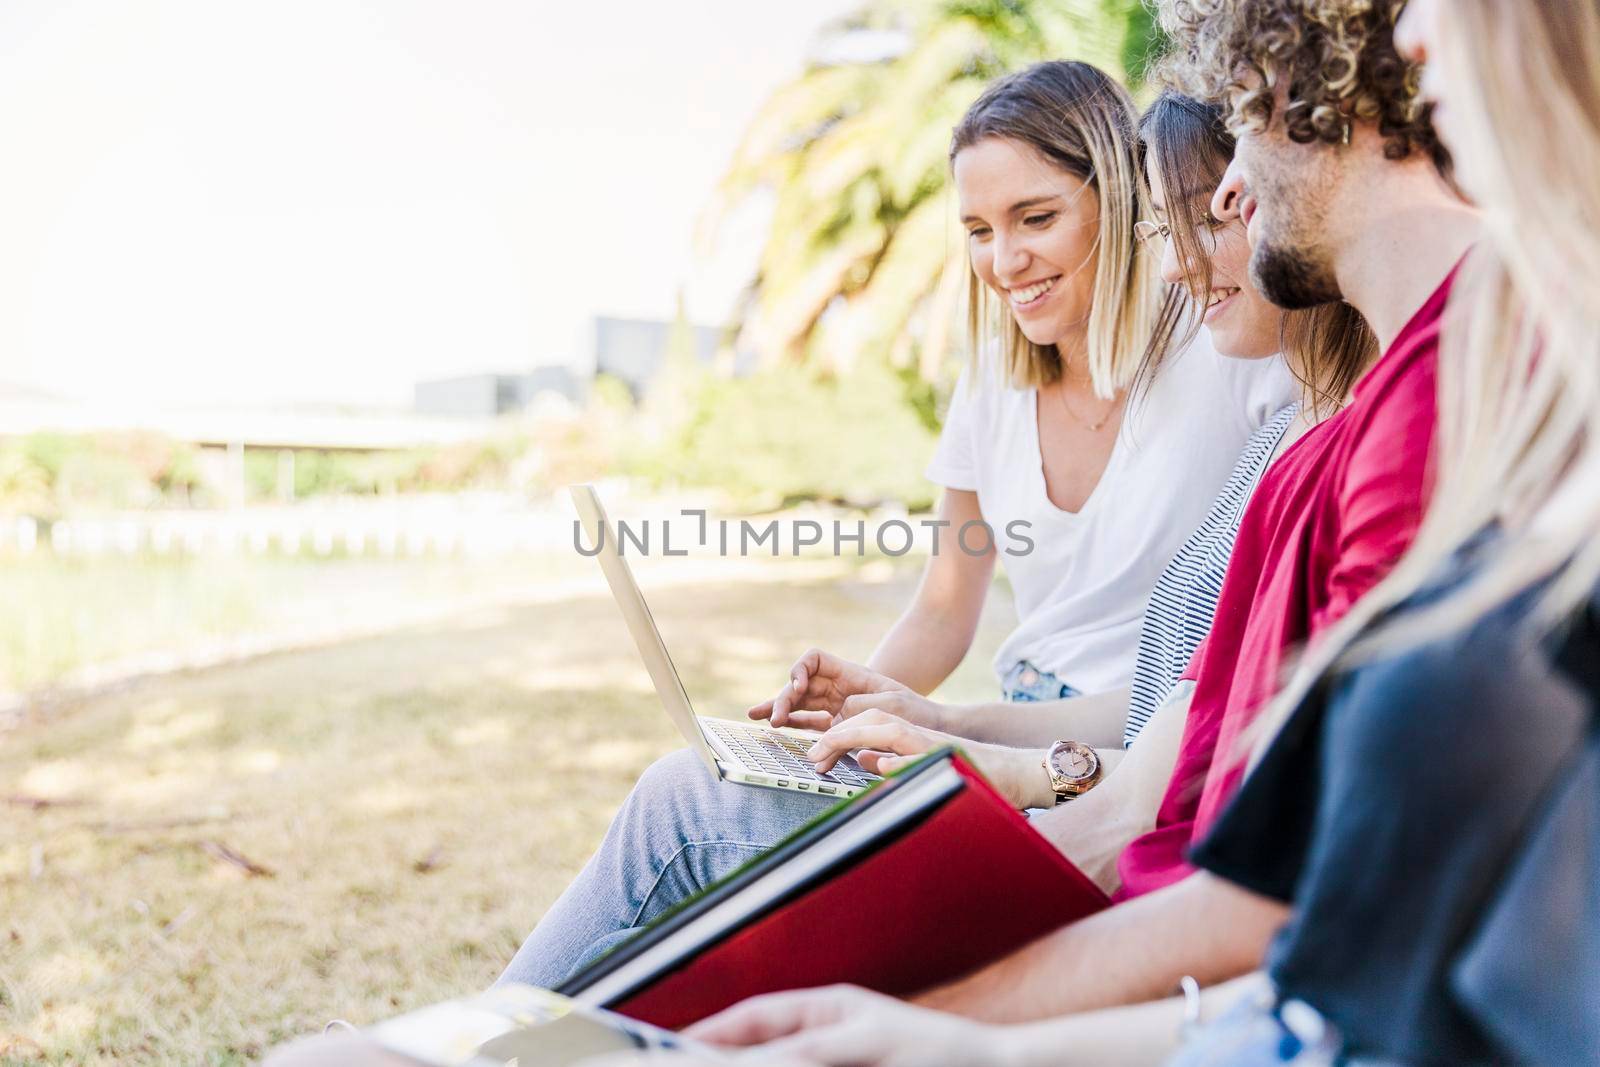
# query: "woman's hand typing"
(819, 685)
(884, 743)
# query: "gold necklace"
(1092, 427)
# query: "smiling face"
(1032, 231)
(1242, 323)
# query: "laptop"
(740, 752)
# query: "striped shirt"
(1185, 596)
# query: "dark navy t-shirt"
(1389, 810)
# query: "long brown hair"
(1082, 121)
(1327, 347)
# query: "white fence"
(379, 530)
(473, 525)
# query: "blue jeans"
(1256, 1032)
(1026, 684)
(679, 831)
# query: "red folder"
(959, 882)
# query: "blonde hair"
(1081, 120)
(1519, 371)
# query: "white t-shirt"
(1081, 590)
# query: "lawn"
(60, 618)
(198, 866)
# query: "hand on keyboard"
(780, 754)
(819, 684)
(885, 742)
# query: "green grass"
(419, 798)
(62, 615)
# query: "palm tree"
(863, 254)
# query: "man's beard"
(1291, 279)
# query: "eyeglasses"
(1205, 232)
(1145, 230)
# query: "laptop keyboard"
(782, 754)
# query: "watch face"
(1073, 763)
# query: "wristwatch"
(1073, 768)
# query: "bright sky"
(241, 201)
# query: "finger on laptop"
(884, 735)
(882, 764)
(795, 692)
(816, 721)
(777, 709)
(892, 702)
(809, 663)
(782, 704)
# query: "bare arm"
(932, 636)
(1096, 719)
(884, 743)
(1094, 829)
(1129, 1036)
(843, 1025)
(1137, 951)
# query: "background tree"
(864, 255)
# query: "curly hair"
(1336, 58)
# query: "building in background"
(634, 351)
(473, 396)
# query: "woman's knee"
(678, 798)
(673, 790)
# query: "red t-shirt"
(1327, 522)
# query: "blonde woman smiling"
(1053, 427)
